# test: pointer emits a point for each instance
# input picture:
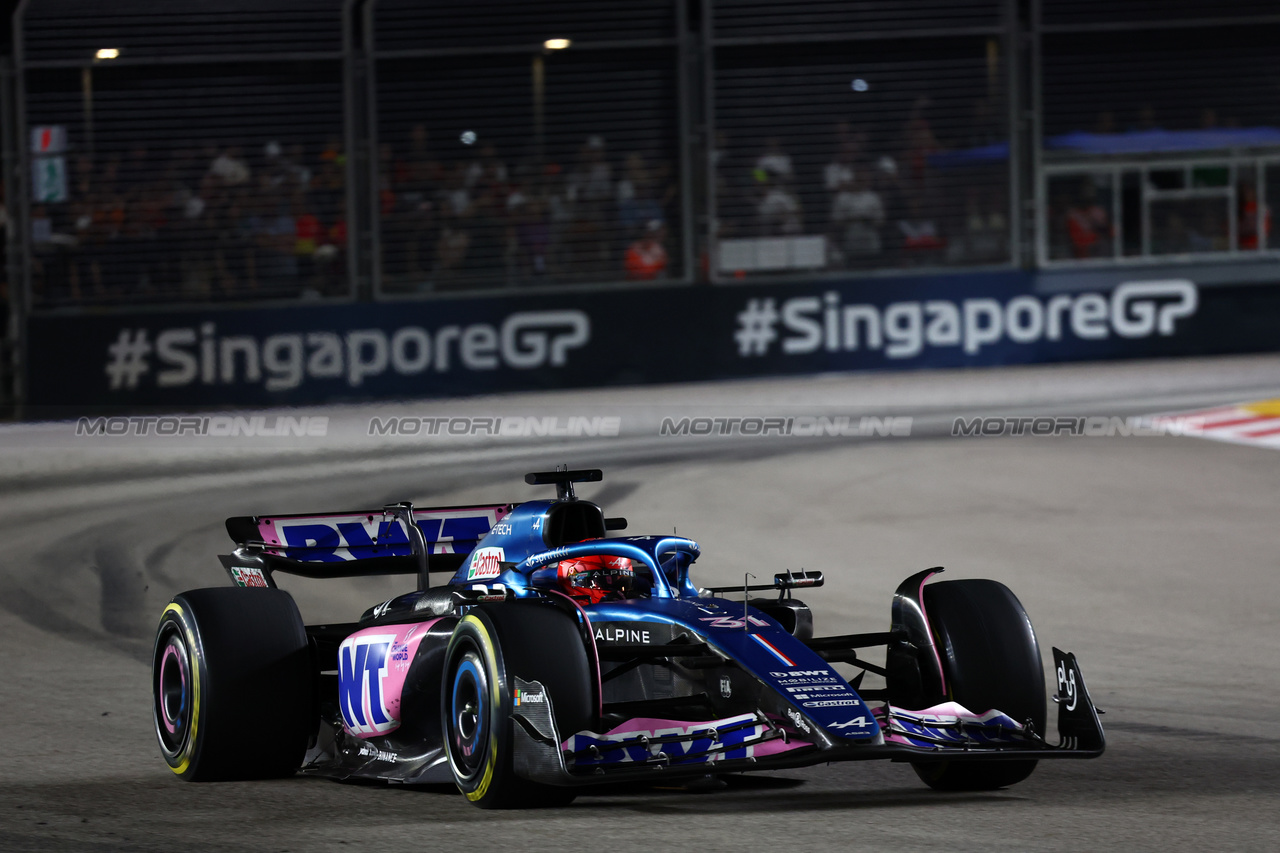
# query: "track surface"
(1154, 559)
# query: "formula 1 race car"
(558, 657)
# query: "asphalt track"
(1155, 559)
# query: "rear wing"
(397, 539)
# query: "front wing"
(642, 748)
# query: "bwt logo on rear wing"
(342, 537)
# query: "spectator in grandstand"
(230, 167)
(986, 227)
(590, 183)
(590, 192)
(286, 172)
(527, 211)
(918, 140)
(488, 169)
(408, 210)
(918, 232)
(421, 174)
(922, 243)
(185, 232)
(775, 161)
(274, 234)
(234, 251)
(646, 258)
(638, 203)
(1250, 215)
(328, 187)
(489, 250)
(882, 176)
(454, 197)
(778, 210)
(840, 171)
(454, 205)
(857, 214)
(308, 237)
(1088, 224)
(451, 252)
(856, 211)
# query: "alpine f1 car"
(559, 656)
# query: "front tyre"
(990, 659)
(232, 685)
(490, 647)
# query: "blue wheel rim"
(468, 715)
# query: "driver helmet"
(596, 578)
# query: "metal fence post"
(370, 150)
(1040, 228)
(20, 295)
(351, 62)
(1017, 140)
(14, 331)
(709, 122)
(687, 143)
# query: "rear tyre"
(232, 685)
(990, 659)
(490, 647)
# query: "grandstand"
(363, 151)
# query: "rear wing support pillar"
(418, 542)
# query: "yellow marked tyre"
(490, 647)
(475, 729)
(176, 688)
(232, 685)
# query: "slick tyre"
(490, 647)
(990, 659)
(232, 683)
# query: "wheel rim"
(468, 715)
(172, 688)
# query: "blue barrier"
(301, 354)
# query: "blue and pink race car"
(561, 655)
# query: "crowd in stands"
(235, 221)
(485, 221)
(249, 222)
(876, 208)
(209, 222)
(195, 222)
